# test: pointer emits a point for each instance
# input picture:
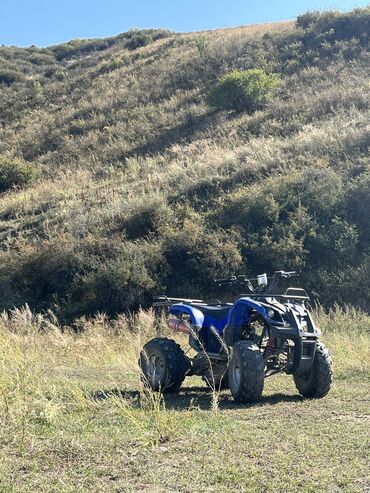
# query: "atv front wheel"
(246, 372)
(317, 381)
(163, 365)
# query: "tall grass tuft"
(346, 331)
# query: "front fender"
(196, 316)
(240, 312)
(240, 315)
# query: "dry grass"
(73, 416)
(347, 332)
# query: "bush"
(243, 90)
(337, 25)
(78, 47)
(8, 77)
(359, 206)
(80, 279)
(137, 39)
(15, 172)
(39, 275)
(148, 217)
(308, 19)
(118, 285)
(195, 256)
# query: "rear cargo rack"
(164, 300)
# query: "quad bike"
(268, 330)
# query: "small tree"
(245, 90)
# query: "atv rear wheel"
(246, 372)
(317, 382)
(163, 365)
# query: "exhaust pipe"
(178, 325)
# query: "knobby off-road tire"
(246, 372)
(317, 382)
(163, 365)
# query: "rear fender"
(196, 316)
(196, 320)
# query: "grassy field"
(74, 418)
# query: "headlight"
(262, 280)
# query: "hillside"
(128, 184)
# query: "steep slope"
(141, 187)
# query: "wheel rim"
(155, 368)
(236, 373)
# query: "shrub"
(251, 209)
(148, 217)
(117, 277)
(137, 39)
(78, 47)
(196, 256)
(38, 274)
(8, 77)
(359, 206)
(338, 25)
(243, 90)
(80, 279)
(118, 285)
(308, 19)
(15, 172)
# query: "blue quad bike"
(268, 330)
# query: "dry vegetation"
(117, 181)
(74, 417)
(133, 181)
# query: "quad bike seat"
(217, 311)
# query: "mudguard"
(196, 316)
(240, 312)
(203, 326)
(240, 315)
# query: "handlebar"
(241, 279)
(234, 280)
(282, 273)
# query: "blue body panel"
(219, 325)
(241, 312)
(196, 316)
(238, 315)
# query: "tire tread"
(252, 378)
(321, 380)
(177, 363)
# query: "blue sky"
(46, 22)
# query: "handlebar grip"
(292, 273)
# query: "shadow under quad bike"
(266, 331)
